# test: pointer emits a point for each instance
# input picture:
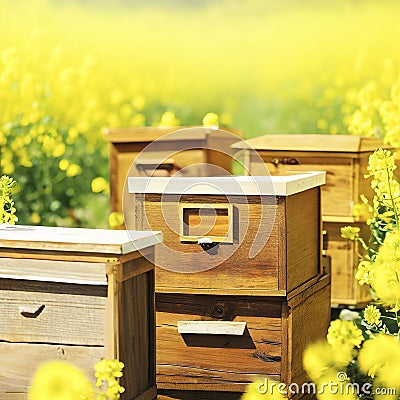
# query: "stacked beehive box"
(239, 290)
(76, 295)
(171, 148)
(345, 159)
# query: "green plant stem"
(392, 200)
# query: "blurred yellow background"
(68, 69)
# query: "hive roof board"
(103, 241)
(311, 142)
(229, 185)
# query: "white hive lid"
(228, 185)
(102, 241)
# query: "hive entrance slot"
(204, 223)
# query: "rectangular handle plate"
(212, 327)
(211, 221)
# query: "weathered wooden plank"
(312, 143)
(54, 271)
(303, 238)
(19, 361)
(59, 318)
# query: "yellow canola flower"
(265, 389)
(35, 218)
(372, 315)
(322, 124)
(169, 119)
(73, 170)
(360, 124)
(63, 164)
(386, 278)
(225, 119)
(138, 102)
(7, 166)
(344, 334)
(365, 272)
(381, 164)
(99, 185)
(335, 379)
(210, 120)
(58, 150)
(115, 220)
(48, 143)
(320, 358)
(7, 210)
(379, 358)
(138, 120)
(72, 135)
(362, 212)
(57, 380)
(350, 232)
(110, 371)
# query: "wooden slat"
(150, 133)
(19, 361)
(312, 143)
(63, 319)
(53, 271)
(309, 323)
(137, 333)
(337, 193)
(302, 235)
(219, 291)
(111, 338)
(59, 256)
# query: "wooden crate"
(76, 295)
(267, 213)
(345, 160)
(193, 355)
(181, 150)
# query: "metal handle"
(31, 312)
(212, 327)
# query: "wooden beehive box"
(212, 344)
(345, 159)
(76, 295)
(227, 312)
(193, 145)
(266, 241)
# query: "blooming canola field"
(69, 69)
